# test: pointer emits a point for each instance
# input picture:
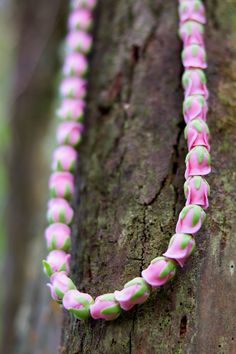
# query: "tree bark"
(130, 184)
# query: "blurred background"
(31, 34)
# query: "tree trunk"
(130, 184)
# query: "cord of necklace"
(61, 183)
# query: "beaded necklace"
(61, 183)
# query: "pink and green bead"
(198, 162)
(197, 134)
(134, 292)
(190, 220)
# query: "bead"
(106, 307)
(191, 32)
(64, 158)
(192, 10)
(78, 303)
(197, 191)
(198, 162)
(180, 248)
(194, 83)
(73, 87)
(57, 261)
(71, 109)
(194, 107)
(80, 19)
(78, 41)
(69, 133)
(135, 292)
(75, 64)
(159, 272)
(194, 56)
(190, 219)
(60, 284)
(59, 210)
(61, 185)
(58, 237)
(197, 133)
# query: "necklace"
(61, 183)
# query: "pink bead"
(197, 133)
(73, 87)
(75, 64)
(190, 219)
(197, 191)
(88, 4)
(194, 107)
(194, 56)
(198, 162)
(78, 303)
(79, 41)
(106, 307)
(64, 158)
(192, 10)
(71, 109)
(191, 32)
(194, 83)
(80, 19)
(58, 236)
(61, 185)
(159, 272)
(69, 133)
(57, 261)
(135, 292)
(60, 285)
(59, 210)
(180, 248)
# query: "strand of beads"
(72, 92)
(60, 214)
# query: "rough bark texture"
(40, 28)
(130, 185)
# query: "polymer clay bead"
(106, 307)
(197, 133)
(159, 272)
(198, 162)
(194, 107)
(135, 292)
(69, 133)
(191, 32)
(57, 261)
(73, 87)
(197, 191)
(190, 219)
(75, 64)
(71, 109)
(61, 185)
(78, 303)
(78, 41)
(60, 285)
(58, 237)
(192, 10)
(180, 248)
(59, 210)
(80, 19)
(64, 158)
(194, 83)
(194, 56)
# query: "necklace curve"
(72, 91)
